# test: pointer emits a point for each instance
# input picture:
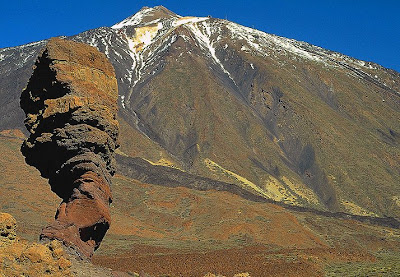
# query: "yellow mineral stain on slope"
(143, 36)
(396, 200)
(164, 162)
(213, 166)
(161, 161)
(355, 209)
(390, 233)
(184, 18)
(275, 190)
(276, 140)
(305, 193)
(279, 190)
(119, 152)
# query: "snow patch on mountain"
(122, 101)
(263, 43)
(137, 65)
(204, 39)
(134, 20)
(188, 19)
(144, 14)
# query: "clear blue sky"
(364, 29)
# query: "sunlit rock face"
(70, 104)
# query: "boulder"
(8, 226)
(22, 258)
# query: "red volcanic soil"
(255, 260)
(218, 232)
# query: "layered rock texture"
(70, 104)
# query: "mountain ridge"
(267, 82)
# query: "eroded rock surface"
(8, 225)
(22, 258)
(70, 104)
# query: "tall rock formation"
(70, 104)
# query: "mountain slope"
(278, 118)
(187, 232)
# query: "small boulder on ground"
(19, 257)
(8, 226)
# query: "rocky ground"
(19, 257)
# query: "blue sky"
(364, 29)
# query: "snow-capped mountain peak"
(146, 16)
(151, 31)
(175, 73)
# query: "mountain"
(280, 118)
(210, 110)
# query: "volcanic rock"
(7, 229)
(22, 258)
(70, 104)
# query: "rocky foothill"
(19, 257)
